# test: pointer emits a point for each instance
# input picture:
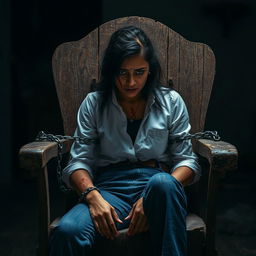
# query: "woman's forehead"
(134, 62)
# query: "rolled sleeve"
(181, 153)
(82, 154)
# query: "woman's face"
(132, 77)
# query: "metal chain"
(42, 136)
(209, 135)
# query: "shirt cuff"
(68, 170)
(194, 166)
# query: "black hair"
(125, 42)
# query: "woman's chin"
(131, 93)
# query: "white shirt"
(109, 142)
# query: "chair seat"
(140, 244)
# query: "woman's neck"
(129, 101)
(133, 109)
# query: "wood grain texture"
(75, 65)
(173, 63)
(190, 80)
(44, 211)
(36, 155)
(221, 155)
(158, 34)
(208, 79)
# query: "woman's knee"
(68, 238)
(76, 223)
(164, 183)
(67, 229)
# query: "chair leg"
(44, 212)
(211, 212)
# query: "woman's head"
(127, 44)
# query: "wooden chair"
(187, 66)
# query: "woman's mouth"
(131, 89)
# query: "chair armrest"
(35, 157)
(37, 154)
(221, 155)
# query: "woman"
(130, 172)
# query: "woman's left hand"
(138, 219)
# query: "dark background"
(31, 30)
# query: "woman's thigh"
(77, 222)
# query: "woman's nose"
(131, 81)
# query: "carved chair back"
(188, 67)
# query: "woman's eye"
(139, 72)
(122, 73)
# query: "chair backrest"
(189, 65)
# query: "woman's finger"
(105, 228)
(129, 216)
(133, 223)
(111, 225)
(97, 228)
(115, 216)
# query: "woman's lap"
(121, 189)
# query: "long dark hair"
(125, 42)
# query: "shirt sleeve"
(181, 153)
(82, 154)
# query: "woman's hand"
(138, 219)
(103, 214)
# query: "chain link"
(209, 135)
(42, 136)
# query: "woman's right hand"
(103, 215)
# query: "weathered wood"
(191, 80)
(211, 203)
(75, 65)
(36, 155)
(208, 78)
(173, 61)
(105, 32)
(221, 155)
(44, 211)
(158, 34)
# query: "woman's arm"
(184, 175)
(81, 180)
(185, 166)
(79, 171)
(103, 214)
(82, 154)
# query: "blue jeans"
(164, 203)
